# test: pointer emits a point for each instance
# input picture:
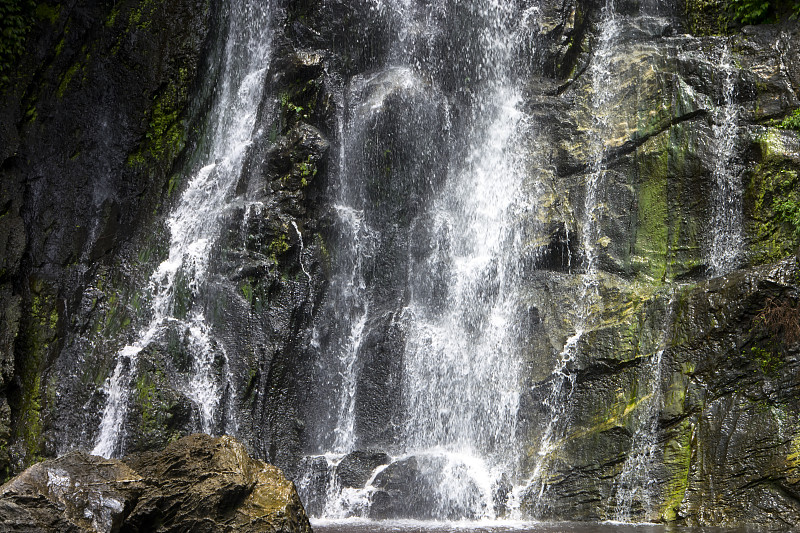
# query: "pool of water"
(414, 526)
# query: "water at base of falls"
(413, 526)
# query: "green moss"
(706, 17)
(112, 17)
(165, 134)
(41, 334)
(141, 16)
(767, 359)
(67, 78)
(772, 201)
(652, 231)
(793, 459)
(48, 12)
(174, 181)
(145, 397)
(136, 160)
(678, 461)
(247, 292)
(278, 247)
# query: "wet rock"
(76, 492)
(313, 483)
(198, 483)
(402, 491)
(501, 490)
(357, 467)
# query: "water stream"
(589, 303)
(459, 383)
(194, 225)
(726, 196)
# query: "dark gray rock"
(357, 467)
(402, 491)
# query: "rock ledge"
(198, 483)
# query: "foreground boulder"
(198, 483)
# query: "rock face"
(92, 122)
(681, 381)
(197, 483)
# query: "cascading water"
(459, 382)
(635, 489)
(725, 249)
(562, 381)
(194, 225)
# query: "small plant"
(792, 122)
(766, 359)
(307, 170)
(750, 11)
(788, 210)
(781, 318)
(279, 246)
(15, 21)
(760, 11)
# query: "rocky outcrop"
(93, 120)
(678, 379)
(197, 483)
(691, 380)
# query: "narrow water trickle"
(635, 489)
(727, 241)
(589, 303)
(194, 225)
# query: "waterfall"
(636, 484)
(563, 380)
(442, 197)
(725, 249)
(194, 225)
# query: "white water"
(589, 303)
(194, 226)
(726, 197)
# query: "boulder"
(76, 492)
(357, 467)
(198, 483)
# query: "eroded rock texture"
(197, 483)
(680, 376)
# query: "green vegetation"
(749, 11)
(15, 22)
(775, 328)
(762, 11)
(290, 109)
(66, 79)
(47, 12)
(792, 122)
(41, 334)
(247, 292)
(788, 210)
(773, 199)
(166, 128)
(307, 170)
(140, 17)
(767, 360)
(279, 246)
